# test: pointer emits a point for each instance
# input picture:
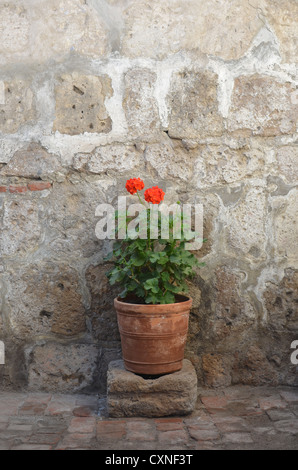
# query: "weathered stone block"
(18, 106)
(168, 161)
(132, 395)
(139, 103)
(20, 225)
(44, 299)
(80, 104)
(71, 217)
(262, 106)
(155, 29)
(63, 367)
(14, 28)
(287, 158)
(219, 165)
(247, 224)
(102, 313)
(281, 301)
(40, 31)
(117, 158)
(285, 227)
(32, 161)
(282, 16)
(193, 106)
(216, 373)
(251, 367)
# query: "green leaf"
(152, 299)
(152, 285)
(138, 259)
(165, 276)
(167, 298)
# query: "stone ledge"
(132, 395)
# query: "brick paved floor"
(232, 418)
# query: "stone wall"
(198, 96)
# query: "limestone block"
(64, 367)
(117, 158)
(246, 224)
(17, 107)
(156, 29)
(139, 104)
(132, 395)
(8, 147)
(102, 312)
(262, 106)
(20, 226)
(215, 371)
(69, 25)
(39, 31)
(71, 217)
(282, 17)
(287, 158)
(219, 165)
(168, 161)
(43, 299)
(285, 227)
(80, 104)
(14, 28)
(251, 367)
(193, 106)
(32, 161)
(281, 301)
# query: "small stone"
(132, 395)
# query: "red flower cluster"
(154, 195)
(135, 184)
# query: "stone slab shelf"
(131, 395)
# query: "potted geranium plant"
(152, 307)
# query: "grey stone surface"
(130, 394)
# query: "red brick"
(111, 430)
(271, 402)
(17, 189)
(84, 411)
(203, 434)
(39, 186)
(76, 441)
(140, 431)
(82, 425)
(33, 408)
(215, 403)
(169, 424)
(173, 437)
(3, 189)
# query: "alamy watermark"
(187, 222)
(2, 353)
(294, 355)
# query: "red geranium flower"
(154, 195)
(135, 184)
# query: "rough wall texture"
(200, 95)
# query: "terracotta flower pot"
(153, 337)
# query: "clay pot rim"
(187, 302)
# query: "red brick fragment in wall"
(18, 189)
(3, 189)
(39, 186)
